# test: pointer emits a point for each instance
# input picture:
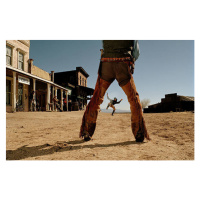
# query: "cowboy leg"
(137, 120)
(108, 105)
(113, 107)
(90, 116)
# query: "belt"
(127, 60)
(116, 59)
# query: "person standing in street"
(117, 62)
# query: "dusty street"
(54, 136)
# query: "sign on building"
(69, 92)
(23, 80)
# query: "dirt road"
(54, 136)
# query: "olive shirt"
(109, 71)
(121, 48)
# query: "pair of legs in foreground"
(108, 72)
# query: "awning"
(36, 77)
(88, 90)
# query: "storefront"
(22, 78)
(20, 84)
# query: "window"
(8, 55)
(80, 80)
(21, 61)
(20, 94)
(8, 92)
(83, 81)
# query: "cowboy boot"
(113, 112)
(137, 120)
(90, 116)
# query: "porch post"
(14, 93)
(48, 97)
(67, 98)
(34, 96)
(61, 90)
(56, 94)
(52, 98)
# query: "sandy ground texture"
(54, 136)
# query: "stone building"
(76, 82)
(172, 102)
(22, 77)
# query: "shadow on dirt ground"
(60, 146)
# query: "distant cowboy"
(65, 104)
(112, 103)
(32, 101)
(56, 103)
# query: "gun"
(101, 52)
(132, 66)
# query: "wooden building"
(172, 102)
(22, 77)
(76, 83)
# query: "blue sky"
(164, 66)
